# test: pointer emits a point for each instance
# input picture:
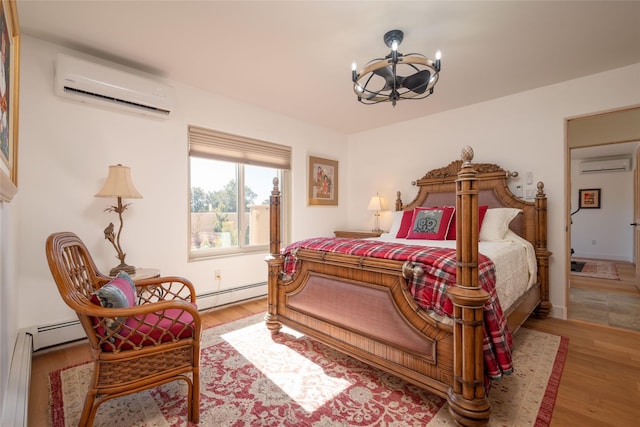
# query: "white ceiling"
(294, 57)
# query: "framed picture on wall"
(590, 198)
(10, 72)
(323, 181)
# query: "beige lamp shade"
(119, 184)
(375, 204)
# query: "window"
(231, 179)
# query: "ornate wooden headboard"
(437, 188)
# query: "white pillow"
(395, 225)
(496, 223)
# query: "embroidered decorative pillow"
(482, 210)
(496, 223)
(405, 224)
(118, 293)
(430, 223)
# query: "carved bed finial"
(276, 182)
(467, 154)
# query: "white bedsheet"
(514, 259)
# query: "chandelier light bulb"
(394, 45)
(354, 74)
(438, 55)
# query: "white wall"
(603, 233)
(522, 132)
(66, 148)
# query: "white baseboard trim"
(608, 257)
(558, 312)
(16, 402)
(230, 296)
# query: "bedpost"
(467, 397)
(274, 259)
(399, 204)
(542, 253)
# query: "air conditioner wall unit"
(605, 165)
(90, 82)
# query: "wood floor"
(613, 303)
(626, 285)
(600, 384)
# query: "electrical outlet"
(217, 274)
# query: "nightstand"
(145, 273)
(151, 293)
(357, 234)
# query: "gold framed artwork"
(9, 86)
(323, 181)
(590, 198)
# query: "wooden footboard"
(362, 306)
(367, 312)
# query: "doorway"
(604, 234)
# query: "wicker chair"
(154, 342)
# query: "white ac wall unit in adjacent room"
(605, 165)
(95, 83)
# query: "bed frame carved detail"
(404, 340)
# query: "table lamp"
(375, 204)
(118, 184)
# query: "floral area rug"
(250, 379)
(597, 268)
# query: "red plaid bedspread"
(429, 291)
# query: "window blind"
(217, 145)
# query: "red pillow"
(430, 223)
(405, 224)
(482, 211)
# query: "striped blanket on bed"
(429, 291)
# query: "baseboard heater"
(55, 334)
(64, 332)
(16, 404)
(249, 291)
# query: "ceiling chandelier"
(396, 76)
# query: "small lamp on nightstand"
(375, 204)
(118, 184)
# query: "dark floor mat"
(577, 266)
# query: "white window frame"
(241, 151)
